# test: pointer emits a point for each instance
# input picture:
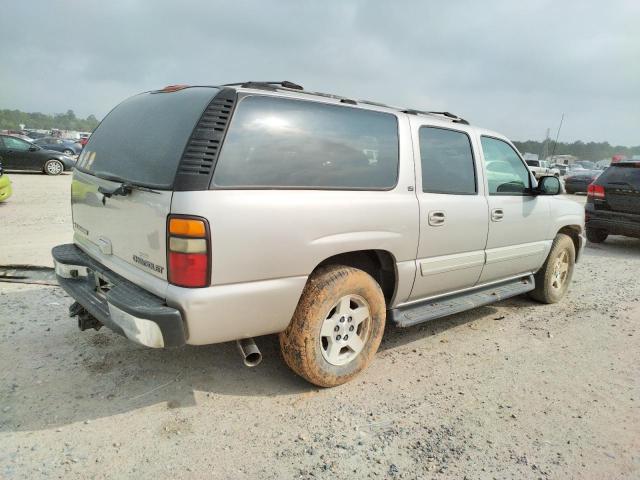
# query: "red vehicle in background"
(618, 158)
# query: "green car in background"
(5, 186)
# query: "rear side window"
(447, 162)
(621, 174)
(275, 142)
(143, 138)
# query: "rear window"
(283, 143)
(143, 138)
(628, 174)
(533, 163)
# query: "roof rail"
(273, 86)
(253, 84)
(454, 118)
(289, 86)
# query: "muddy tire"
(596, 235)
(553, 279)
(337, 326)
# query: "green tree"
(12, 119)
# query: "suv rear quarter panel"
(265, 243)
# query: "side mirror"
(33, 148)
(549, 186)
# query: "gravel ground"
(513, 390)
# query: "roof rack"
(287, 85)
(253, 84)
(454, 118)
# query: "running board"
(410, 315)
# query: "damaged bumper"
(116, 302)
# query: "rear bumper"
(116, 302)
(614, 223)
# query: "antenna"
(557, 135)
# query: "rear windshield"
(275, 142)
(143, 138)
(622, 174)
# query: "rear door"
(453, 211)
(141, 142)
(518, 221)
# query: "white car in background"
(541, 168)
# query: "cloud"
(510, 66)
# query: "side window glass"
(447, 162)
(284, 143)
(16, 144)
(506, 173)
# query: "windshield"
(142, 139)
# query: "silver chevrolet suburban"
(205, 214)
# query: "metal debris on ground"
(28, 274)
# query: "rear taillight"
(188, 251)
(595, 191)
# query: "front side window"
(13, 143)
(276, 142)
(447, 162)
(506, 174)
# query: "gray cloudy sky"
(506, 65)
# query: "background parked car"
(560, 167)
(5, 185)
(613, 202)
(541, 168)
(18, 154)
(35, 135)
(578, 179)
(68, 147)
(84, 138)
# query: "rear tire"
(596, 235)
(337, 326)
(53, 167)
(553, 279)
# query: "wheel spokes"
(327, 327)
(359, 315)
(332, 351)
(344, 306)
(355, 343)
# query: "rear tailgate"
(122, 186)
(131, 228)
(621, 183)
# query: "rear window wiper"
(124, 189)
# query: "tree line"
(584, 151)
(12, 119)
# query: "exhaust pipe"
(250, 352)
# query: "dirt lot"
(514, 390)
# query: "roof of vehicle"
(293, 90)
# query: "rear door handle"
(436, 218)
(497, 214)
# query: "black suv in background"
(613, 203)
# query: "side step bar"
(410, 315)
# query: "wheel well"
(574, 233)
(380, 264)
